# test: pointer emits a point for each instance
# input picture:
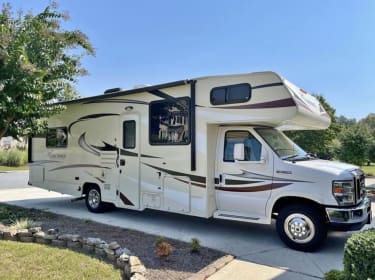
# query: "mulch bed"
(181, 264)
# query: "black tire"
(94, 200)
(301, 227)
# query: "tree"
(346, 122)
(39, 62)
(355, 144)
(318, 141)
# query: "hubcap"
(299, 228)
(94, 198)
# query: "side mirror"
(239, 151)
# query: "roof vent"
(112, 90)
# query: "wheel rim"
(94, 198)
(299, 228)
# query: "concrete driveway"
(249, 242)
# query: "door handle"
(220, 178)
(122, 162)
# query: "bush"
(334, 274)
(195, 245)
(359, 256)
(13, 158)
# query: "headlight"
(343, 191)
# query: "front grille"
(359, 186)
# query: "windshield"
(281, 144)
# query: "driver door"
(244, 187)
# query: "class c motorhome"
(207, 147)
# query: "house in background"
(9, 142)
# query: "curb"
(212, 268)
(130, 266)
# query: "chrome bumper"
(350, 218)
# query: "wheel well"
(284, 201)
(87, 186)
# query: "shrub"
(334, 274)
(24, 223)
(195, 245)
(164, 249)
(13, 158)
(359, 256)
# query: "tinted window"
(253, 147)
(230, 94)
(238, 93)
(57, 137)
(170, 122)
(218, 96)
(128, 138)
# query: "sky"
(326, 47)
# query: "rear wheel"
(94, 200)
(301, 227)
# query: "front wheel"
(94, 200)
(301, 227)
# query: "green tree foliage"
(318, 141)
(346, 122)
(355, 143)
(39, 62)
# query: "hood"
(331, 167)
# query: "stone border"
(212, 268)
(131, 266)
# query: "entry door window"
(128, 138)
(253, 147)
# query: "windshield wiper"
(290, 157)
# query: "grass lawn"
(369, 170)
(11, 168)
(34, 261)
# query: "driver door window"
(253, 147)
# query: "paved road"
(256, 243)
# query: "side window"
(57, 137)
(129, 134)
(253, 147)
(230, 94)
(170, 122)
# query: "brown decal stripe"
(240, 182)
(192, 183)
(287, 102)
(253, 189)
(194, 178)
(77, 166)
(125, 200)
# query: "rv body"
(207, 147)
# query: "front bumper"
(347, 219)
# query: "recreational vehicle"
(207, 147)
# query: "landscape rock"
(137, 276)
(92, 241)
(58, 243)
(26, 239)
(53, 231)
(7, 235)
(24, 234)
(65, 236)
(41, 240)
(88, 248)
(137, 269)
(74, 244)
(51, 236)
(100, 252)
(39, 234)
(113, 245)
(133, 260)
(34, 230)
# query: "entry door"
(243, 187)
(129, 162)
